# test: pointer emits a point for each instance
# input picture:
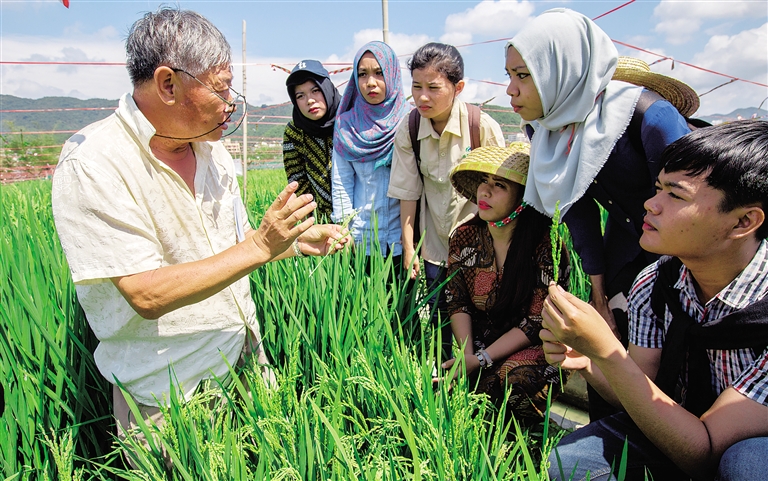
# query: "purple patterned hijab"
(365, 132)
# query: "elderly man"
(147, 206)
(694, 383)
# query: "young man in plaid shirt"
(694, 383)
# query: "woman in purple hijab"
(371, 108)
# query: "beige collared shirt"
(120, 211)
(445, 208)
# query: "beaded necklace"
(506, 220)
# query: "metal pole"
(385, 20)
(245, 126)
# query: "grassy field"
(355, 400)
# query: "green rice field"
(355, 401)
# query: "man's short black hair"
(734, 158)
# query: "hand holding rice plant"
(324, 239)
(338, 242)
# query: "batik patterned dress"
(474, 290)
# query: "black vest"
(746, 328)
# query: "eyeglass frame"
(232, 104)
(210, 89)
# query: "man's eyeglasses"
(237, 98)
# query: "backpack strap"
(473, 112)
(414, 117)
(413, 129)
(667, 275)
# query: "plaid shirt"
(740, 368)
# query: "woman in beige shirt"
(444, 138)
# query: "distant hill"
(53, 114)
(746, 113)
(266, 122)
(270, 127)
(270, 120)
(50, 121)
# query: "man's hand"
(282, 221)
(324, 239)
(558, 354)
(575, 323)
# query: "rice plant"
(355, 396)
(52, 390)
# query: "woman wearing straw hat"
(499, 265)
(593, 139)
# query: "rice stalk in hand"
(556, 240)
(557, 244)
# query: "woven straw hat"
(510, 163)
(635, 71)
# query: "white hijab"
(571, 61)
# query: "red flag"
(65, 2)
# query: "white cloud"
(679, 20)
(32, 89)
(743, 54)
(403, 44)
(456, 38)
(79, 81)
(487, 18)
(481, 91)
(266, 85)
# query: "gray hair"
(176, 38)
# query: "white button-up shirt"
(119, 211)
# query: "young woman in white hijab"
(586, 147)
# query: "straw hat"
(510, 163)
(635, 71)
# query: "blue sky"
(727, 36)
